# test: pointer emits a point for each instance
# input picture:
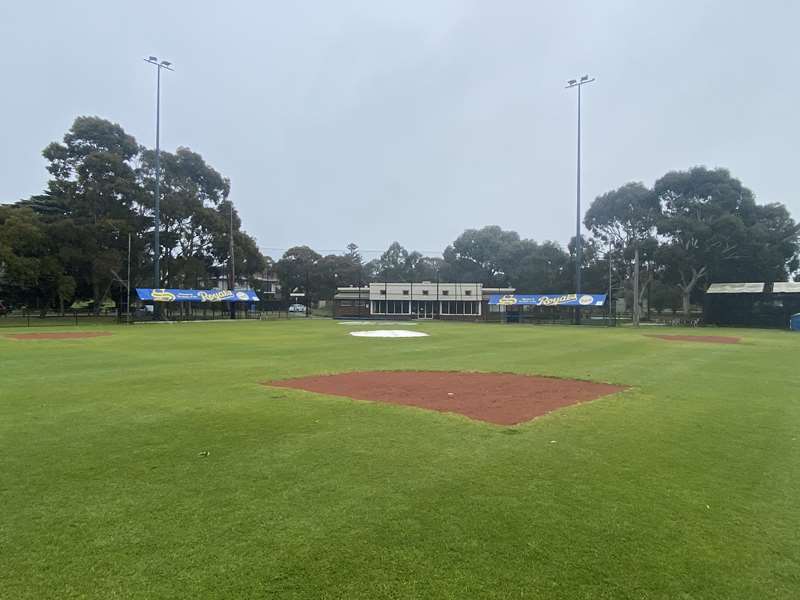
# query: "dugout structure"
(188, 305)
(769, 305)
(550, 308)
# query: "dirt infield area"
(60, 335)
(503, 399)
(708, 339)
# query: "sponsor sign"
(548, 299)
(172, 295)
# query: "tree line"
(666, 243)
(70, 243)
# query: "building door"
(424, 309)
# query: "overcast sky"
(411, 121)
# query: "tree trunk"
(686, 290)
(95, 296)
(685, 294)
(636, 304)
(643, 292)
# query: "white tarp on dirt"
(388, 333)
(354, 323)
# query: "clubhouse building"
(425, 300)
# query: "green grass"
(686, 486)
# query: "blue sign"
(196, 295)
(548, 299)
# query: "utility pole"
(609, 287)
(233, 269)
(129, 280)
(578, 83)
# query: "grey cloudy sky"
(411, 121)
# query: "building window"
(424, 292)
(393, 307)
(445, 292)
(405, 292)
(468, 292)
(383, 292)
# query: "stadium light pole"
(163, 64)
(578, 83)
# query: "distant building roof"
(786, 287)
(735, 288)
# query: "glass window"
(468, 292)
(445, 292)
(424, 292)
(383, 292)
(405, 292)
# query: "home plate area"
(499, 398)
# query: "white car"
(297, 308)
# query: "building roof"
(735, 288)
(786, 287)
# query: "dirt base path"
(503, 399)
(60, 335)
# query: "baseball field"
(185, 461)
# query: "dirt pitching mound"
(708, 339)
(61, 335)
(503, 399)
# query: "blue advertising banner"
(548, 299)
(196, 295)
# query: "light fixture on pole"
(163, 64)
(578, 83)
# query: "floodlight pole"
(578, 83)
(157, 204)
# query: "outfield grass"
(686, 486)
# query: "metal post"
(609, 288)
(128, 317)
(233, 269)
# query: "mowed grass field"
(685, 486)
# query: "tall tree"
(195, 226)
(94, 185)
(715, 230)
(31, 272)
(482, 255)
(626, 218)
(297, 270)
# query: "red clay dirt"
(61, 335)
(500, 398)
(709, 339)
